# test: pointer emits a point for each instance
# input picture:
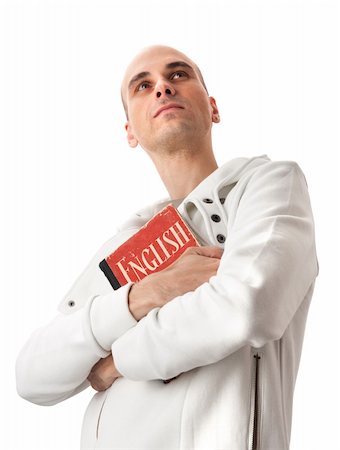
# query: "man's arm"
(193, 268)
(268, 265)
(57, 358)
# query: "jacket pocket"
(255, 401)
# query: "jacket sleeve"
(269, 263)
(56, 360)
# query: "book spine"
(109, 274)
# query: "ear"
(133, 142)
(215, 115)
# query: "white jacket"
(235, 341)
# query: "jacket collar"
(205, 202)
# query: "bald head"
(139, 67)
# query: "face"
(166, 102)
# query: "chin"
(170, 136)
(172, 142)
(176, 131)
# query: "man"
(224, 323)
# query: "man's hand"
(193, 268)
(103, 374)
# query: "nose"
(164, 88)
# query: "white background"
(68, 176)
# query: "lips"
(167, 106)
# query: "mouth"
(168, 107)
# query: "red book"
(159, 243)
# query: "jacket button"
(220, 238)
(222, 200)
(208, 200)
(216, 218)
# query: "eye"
(142, 86)
(179, 74)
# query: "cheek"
(139, 117)
(205, 111)
(202, 103)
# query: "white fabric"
(256, 304)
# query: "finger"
(96, 383)
(100, 385)
(210, 251)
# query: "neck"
(181, 172)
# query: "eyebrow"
(138, 77)
(171, 65)
(174, 64)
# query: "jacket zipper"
(100, 413)
(255, 405)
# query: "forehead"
(152, 60)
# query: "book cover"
(154, 247)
